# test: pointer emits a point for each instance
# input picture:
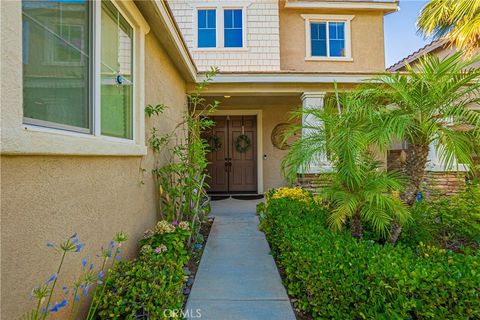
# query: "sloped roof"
(416, 54)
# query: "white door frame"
(251, 112)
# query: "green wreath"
(214, 142)
(242, 143)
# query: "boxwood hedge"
(335, 276)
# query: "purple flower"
(100, 274)
(58, 306)
(112, 244)
(174, 223)
(80, 246)
(118, 258)
(52, 278)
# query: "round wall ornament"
(242, 143)
(278, 136)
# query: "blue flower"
(75, 240)
(112, 244)
(80, 246)
(91, 266)
(52, 278)
(118, 258)
(100, 274)
(419, 196)
(50, 245)
(58, 306)
(84, 262)
(76, 297)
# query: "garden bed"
(194, 262)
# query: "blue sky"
(401, 38)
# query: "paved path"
(237, 278)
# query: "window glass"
(233, 28)
(319, 39)
(56, 57)
(337, 39)
(207, 35)
(116, 74)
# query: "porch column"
(314, 100)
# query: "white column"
(314, 100)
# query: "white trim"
(219, 7)
(372, 5)
(251, 112)
(287, 78)
(309, 18)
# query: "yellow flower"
(293, 193)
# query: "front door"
(233, 160)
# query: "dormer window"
(220, 27)
(327, 37)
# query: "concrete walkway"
(237, 278)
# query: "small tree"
(360, 190)
(430, 103)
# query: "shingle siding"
(262, 52)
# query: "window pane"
(318, 33)
(207, 35)
(116, 74)
(233, 33)
(56, 63)
(337, 40)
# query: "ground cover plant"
(336, 276)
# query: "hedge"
(335, 276)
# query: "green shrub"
(448, 221)
(146, 287)
(335, 276)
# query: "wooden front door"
(231, 169)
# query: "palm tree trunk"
(414, 170)
(356, 226)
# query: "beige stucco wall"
(47, 198)
(367, 42)
(275, 110)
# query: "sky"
(401, 38)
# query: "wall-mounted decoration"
(242, 143)
(214, 142)
(278, 136)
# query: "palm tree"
(425, 105)
(359, 191)
(458, 21)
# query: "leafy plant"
(145, 288)
(457, 21)
(360, 191)
(182, 181)
(429, 104)
(335, 276)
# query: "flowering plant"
(295, 193)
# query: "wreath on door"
(242, 143)
(214, 142)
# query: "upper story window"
(82, 77)
(207, 28)
(233, 33)
(328, 37)
(220, 27)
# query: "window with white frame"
(87, 83)
(220, 27)
(327, 37)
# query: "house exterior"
(437, 178)
(274, 57)
(76, 76)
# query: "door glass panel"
(56, 60)
(116, 74)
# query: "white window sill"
(210, 50)
(33, 140)
(344, 59)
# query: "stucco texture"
(367, 42)
(47, 198)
